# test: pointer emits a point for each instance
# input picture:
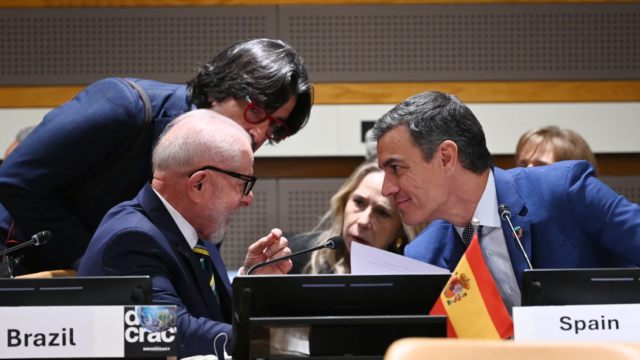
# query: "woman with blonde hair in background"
(359, 213)
(546, 145)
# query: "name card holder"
(88, 332)
(578, 323)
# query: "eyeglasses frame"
(250, 180)
(271, 119)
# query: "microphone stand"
(18, 247)
(259, 265)
(40, 238)
(505, 214)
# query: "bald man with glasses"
(202, 174)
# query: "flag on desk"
(472, 302)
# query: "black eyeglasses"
(248, 185)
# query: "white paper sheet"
(290, 341)
(367, 260)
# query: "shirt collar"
(186, 229)
(487, 210)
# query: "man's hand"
(269, 247)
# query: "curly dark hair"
(268, 71)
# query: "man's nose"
(247, 199)
(389, 187)
(258, 133)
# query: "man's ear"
(195, 185)
(215, 104)
(448, 155)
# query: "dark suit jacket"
(569, 219)
(5, 227)
(74, 142)
(139, 237)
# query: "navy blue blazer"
(5, 227)
(74, 142)
(139, 237)
(569, 219)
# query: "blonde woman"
(359, 213)
(546, 145)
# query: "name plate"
(87, 331)
(577, 323)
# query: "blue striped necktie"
(207, 265)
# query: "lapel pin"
(518, 229)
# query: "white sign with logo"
(577, 323)
(87, 331)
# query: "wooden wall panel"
(331, 167)
(122, 3)
(306, 167)
(481, 92)
(36, 96)
(391, 93)
(342, 167)
(608, 164)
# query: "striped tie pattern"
(207, 265)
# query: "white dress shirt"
(494, 247)
(186, 229)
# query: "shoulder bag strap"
(96, 184)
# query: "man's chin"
(218, 235)
(216, 239)
(412, 220)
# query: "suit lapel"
(518, 261)
(162, 219)
(454, 250)
(509, 195)
(214, 253)
(223, 286)
(203, 281)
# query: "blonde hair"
(566, 144)
(337, 261)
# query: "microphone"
(334, 243)
(38, 239)
(505, 214)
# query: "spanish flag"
(472, 302)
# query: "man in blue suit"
(261, 84)
(203, 168)
(438, 169)
(7, 228)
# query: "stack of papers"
(367, 260)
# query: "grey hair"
(187, 150)
(433, 117)
(22, 134)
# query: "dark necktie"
(207, 265)
(467, 234)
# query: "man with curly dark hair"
(94, 151)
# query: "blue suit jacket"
(569, 219)
(74, 142)
(5, 227)
(139, 237)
